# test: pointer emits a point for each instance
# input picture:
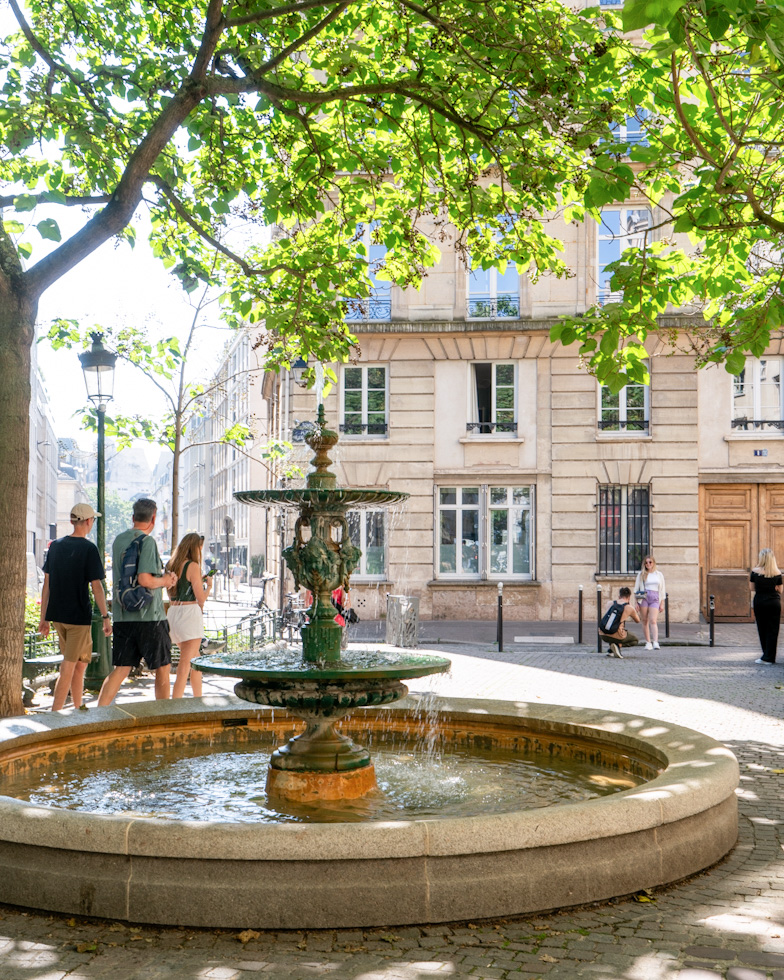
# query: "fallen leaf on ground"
(546, 958)
(87, 947)
(246, 935)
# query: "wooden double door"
(736, 521)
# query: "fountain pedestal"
(318, 685)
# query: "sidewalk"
(561, 632)
(724, 924)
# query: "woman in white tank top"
(650, 581)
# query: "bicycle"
(293, 617)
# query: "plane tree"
(313, 116)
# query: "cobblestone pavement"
(724, 924)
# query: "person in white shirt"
(649, 591)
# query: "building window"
(624, 528)
(631, 130)
(378, 305)
(626, 411)
(756, 396)
(485, 531)
(492, 294)
(493, 399)
(367, 532)
(364, 401)
(619, 229)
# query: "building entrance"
(736, 520)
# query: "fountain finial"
(321, 440)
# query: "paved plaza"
(724, 924)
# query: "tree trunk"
(17, 326)
(175, 508)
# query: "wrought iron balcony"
(757, 424)
(494, 308)
(362, 428)
(632, 425)
(371, 308)
(485, 428)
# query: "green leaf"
(49, 229)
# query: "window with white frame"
(364, 401)
(625, 411)
(494, 294)
(619, 229)
(493, 398)
(485, 531)
(378, 305)
(368, 533)
(624, 528)
(631, 130)
(756, 396)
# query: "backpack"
(133, 597)
(611, 620)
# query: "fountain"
(672, 810)
(319, 686)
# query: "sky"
(115, 286)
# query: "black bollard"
(500, 624)
(598, 618)
(712, 617)
(580, 614)
(667, 615)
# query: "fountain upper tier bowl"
(319, 498)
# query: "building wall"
(558, 449)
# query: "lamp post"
(98, 367)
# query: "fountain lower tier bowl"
(680, 819)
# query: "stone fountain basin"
(298, 876)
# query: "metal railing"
(746, 424)
(630, 425)
(360, 428)
(36, 646)
(487, 427)
(494, 308)
(369, 309)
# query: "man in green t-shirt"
(143, 634)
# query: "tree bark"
(17, 328)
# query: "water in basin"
(226, 783)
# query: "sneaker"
(617, 652)
(656, 645)
(649, 646)
(770, 663)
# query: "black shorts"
(133, 641)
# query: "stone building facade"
(522, 469)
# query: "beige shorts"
(76, 642)
(185, 623)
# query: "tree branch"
(188, 218)
(128, 193)
(307, 36)
(271, 14)
(46, 197)
(229, 86)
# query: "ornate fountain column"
(323, 559)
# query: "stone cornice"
(681, 321)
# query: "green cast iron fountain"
(319, 682)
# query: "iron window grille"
(624, 528)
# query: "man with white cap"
(71, 564)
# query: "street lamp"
(98, 367)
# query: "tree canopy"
(225, 117)
(706, 85)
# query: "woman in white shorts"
(186, 619)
